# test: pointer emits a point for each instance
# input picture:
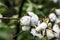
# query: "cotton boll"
(25, 28)
(49, 34)
(25, 20)
(58, 12)
(57, 30)
(34, 18)
(52, 17)
(34, 33)
(42, 26)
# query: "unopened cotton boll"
(25, 20)
(58, 12)
(50, 34)
(34, 18)
(52, 17)
(25, 28)
(42, 26)
(34, 33)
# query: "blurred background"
(12, 10)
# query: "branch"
(10, 18)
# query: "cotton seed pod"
(52, 17)
(42, 26)
(34, 18)
(57, 12)
(25, 20)
(34, 33)
(25, 28)
(50, 34)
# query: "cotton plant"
(32, 20)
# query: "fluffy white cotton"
(42, 26)
(57, 30)
(25, 28)
(52, 17)
(58, 12)
(50, 34)
(25, 20)
(34, 18)
(34, 33)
